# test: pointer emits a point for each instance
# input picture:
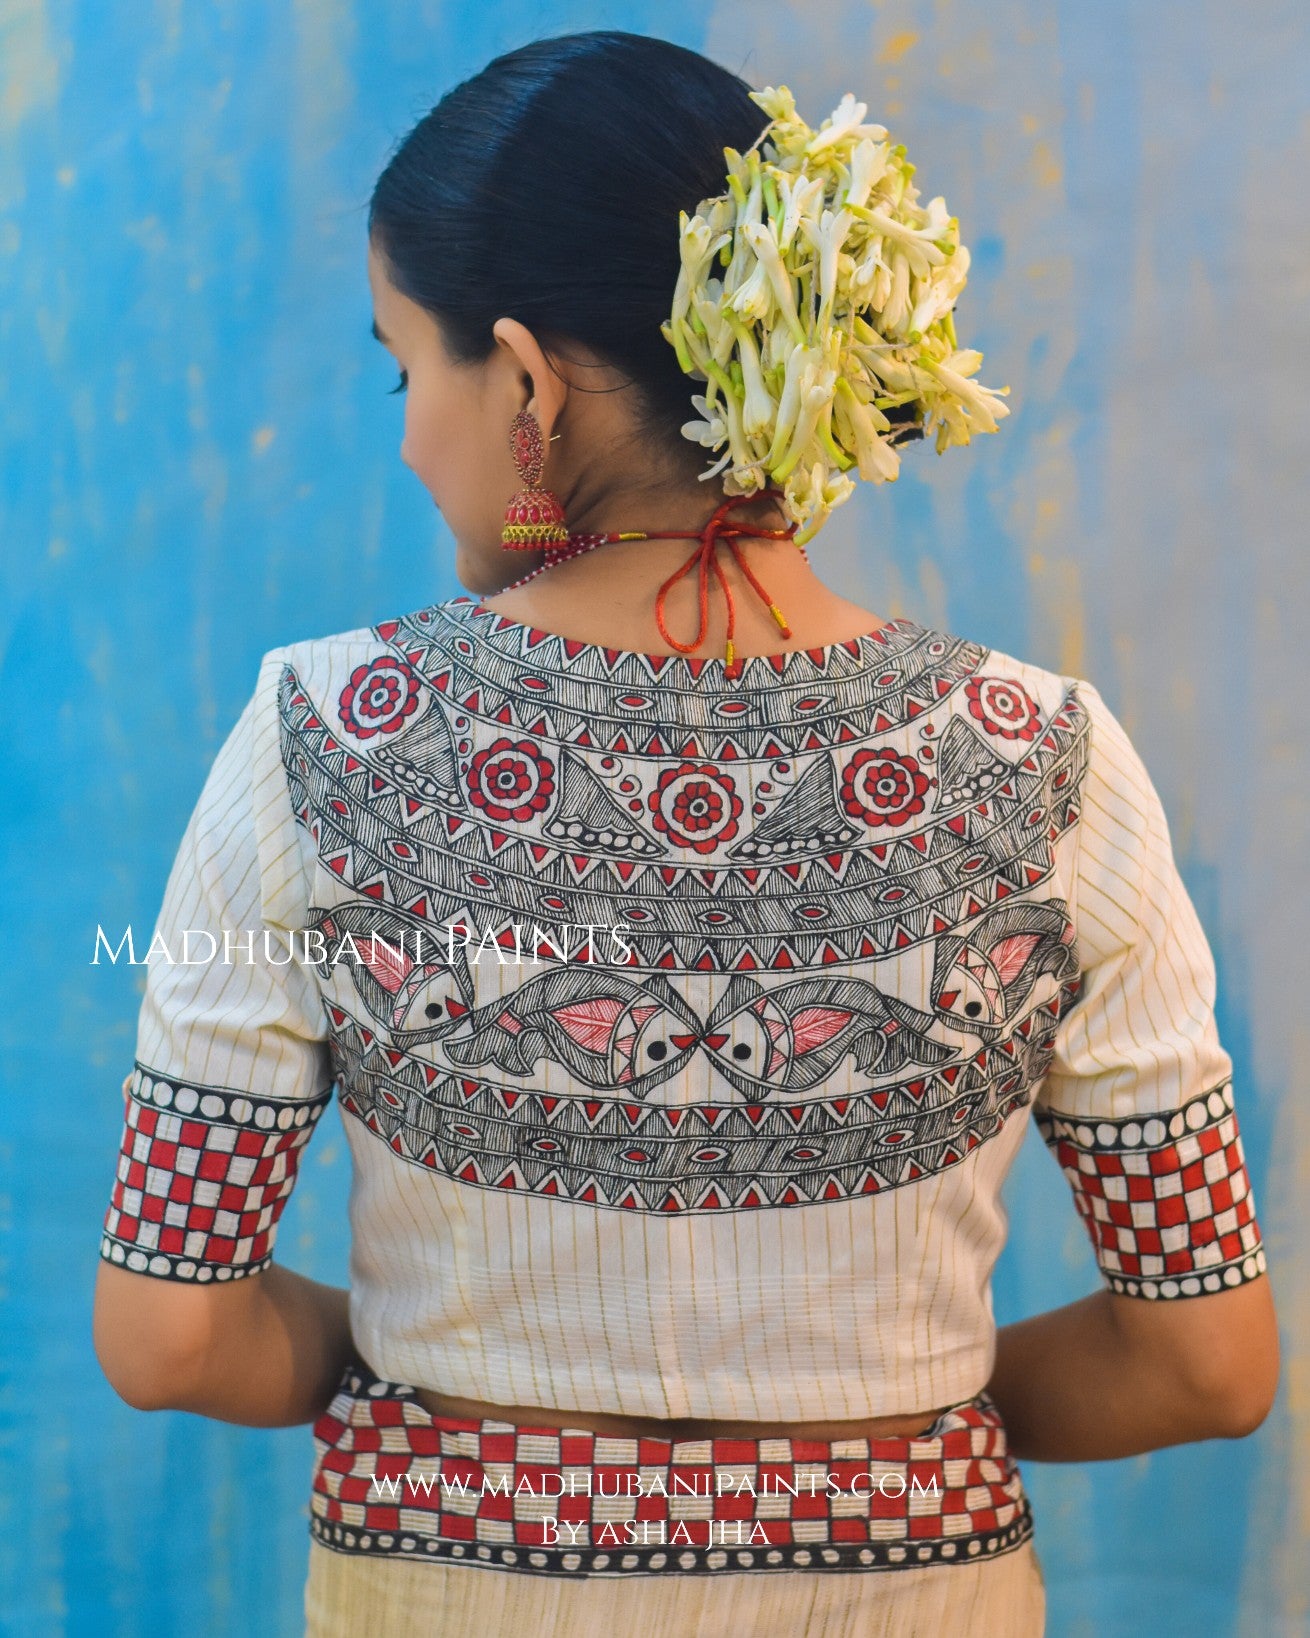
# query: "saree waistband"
(393, 1478)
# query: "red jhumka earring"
(534, 518)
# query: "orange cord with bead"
(704, 556)
(708, 538)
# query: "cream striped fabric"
(251, 1025)
(872, 1303)
(1142, 1037)
(233, 1067)
(1137, 1104)
(347, 1595)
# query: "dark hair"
(547, 188)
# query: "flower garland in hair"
(834, 306)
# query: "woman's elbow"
(1246, 1404)
(139, 1391)
(143, 1339)
(1219, 1352)
(1238, 1377)
(144, 1384)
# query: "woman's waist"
(904, 1425)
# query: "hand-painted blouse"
(683, 1028)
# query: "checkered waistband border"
(392, 1479)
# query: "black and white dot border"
(1142, 1131)
(1248, 1268)
(222, 1106)
(664, 1560)
(176, 1267)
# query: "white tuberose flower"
(835, 304)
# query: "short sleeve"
(1137, 1103)
(233, 1067)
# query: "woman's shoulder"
(998, 661)
(382, 632)
(365, 683)
(385, 647)
(990, 668)
(328, 650)
(1007, 697)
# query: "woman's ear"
(524, 353)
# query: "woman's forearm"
(1071, 1387)
(275, 1358)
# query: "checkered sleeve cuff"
(203, 1176)
(1165, 1197)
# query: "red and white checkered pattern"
(203, 1176)
(392, 1477)
(1166, 1198)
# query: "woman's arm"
(265, 1351)
(1111, 1376)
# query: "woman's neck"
(607, 595)
(681, 505)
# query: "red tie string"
(707, 539)
(718, 528)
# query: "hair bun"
(835, 306)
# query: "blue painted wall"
(200, 463)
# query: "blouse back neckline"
(479, 629)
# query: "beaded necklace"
(717, 529)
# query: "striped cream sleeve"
(233, 1067)
(1137, 1104)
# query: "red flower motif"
(511, 779)
(696, 805)
(380, 695)
(1003, 707)
(883, 787)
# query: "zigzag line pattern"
(770, 902)
(886, 800)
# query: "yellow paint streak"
(148, 232)
(1043, 516)
(1048, 172)
(1058, 603)
(934, 594)
(262, 438)
(29, 63)
(1183, 817)
(896, 47)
